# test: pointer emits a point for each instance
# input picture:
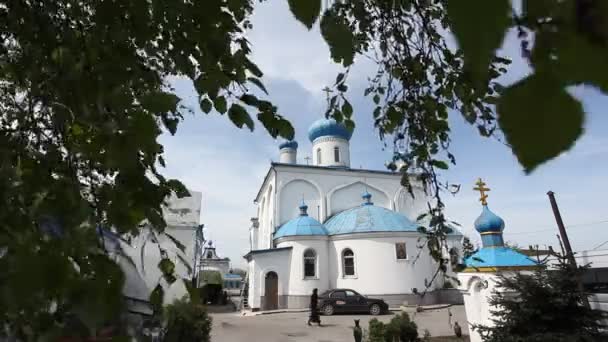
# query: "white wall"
(149, 269)
(260, 265)
(326, 192)
(288, 156)
(183, 211)
(298, 284)
(347, 185)
(327, 146)
(477, 288)
(349, 196)
(290, 197)
(377, 270)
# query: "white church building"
(327, 225)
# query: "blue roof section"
(328, 127)
(489, 222)
(498, 257)
(302, 225)
(289, 144)
(232, 276)
(369, 218)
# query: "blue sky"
(228, 164)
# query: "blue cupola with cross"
(494, 254)
(302, 225)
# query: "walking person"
(314, 312)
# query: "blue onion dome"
(328, 127)
(288, 144)
(369, 218)
(302, 225)
(489, 222)
(367, 198)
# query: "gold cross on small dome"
(481, 187)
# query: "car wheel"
(375, 309)
(328, 310)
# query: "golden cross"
(481, 187)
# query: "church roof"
(498, 257)
(301, 226)
(369, 218)
(328, 127)
(289, 144)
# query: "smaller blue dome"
(367, 198)
(302, 225)
(489, 222)
(328, 127)
(288, 144)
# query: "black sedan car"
(346, 300)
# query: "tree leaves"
(479, 27)
(276, 125)
(167, 267)
(239, 116)
(206, 105)
(157, 297)
(305, 11)
(539, 119)
(160, 102)
(258, 83)
(339, 37)
(572, 59)
(220, 104)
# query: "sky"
(227, 164)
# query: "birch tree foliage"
(84, 96)
(421, 81)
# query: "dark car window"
(338, 294)
(325, 294)
(351, 294)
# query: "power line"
(576, 225)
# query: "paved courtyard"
(288, 327)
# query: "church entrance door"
(271, 292)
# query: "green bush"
(376, 331)
(186, 322)
(400, 328)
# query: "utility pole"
(562, 229)
(567, 246)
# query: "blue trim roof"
(301, 226)
(498, 257)
(369, 218)
(328, 127)
(289, 144)
(232, 276)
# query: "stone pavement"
(291, 326)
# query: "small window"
(318, 156)
(310, 258)
(338, 294)
(337, 154)
(400, 251)
(351, 293)
(348, 262)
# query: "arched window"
(318, 156)
(310, 263)
(337, 154)
(348, 262)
